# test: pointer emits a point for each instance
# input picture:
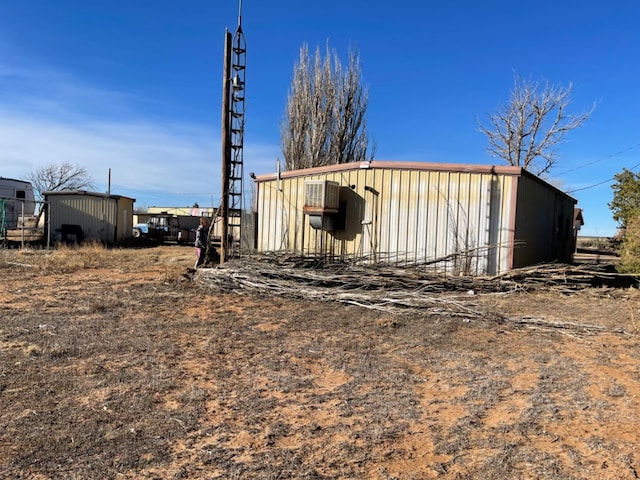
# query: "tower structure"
(233, 113)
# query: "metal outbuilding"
(74, 215)
(462, 219)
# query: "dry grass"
(92, 256)
(113, 364)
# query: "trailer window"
(21, 194)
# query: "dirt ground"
(119, 364)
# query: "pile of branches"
(386, 287)
(569, 277)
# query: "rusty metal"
(233, 142)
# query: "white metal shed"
(471, 219)
(78, 214)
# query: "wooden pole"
(226, 148)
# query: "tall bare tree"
(59, 176)
(526, 130)
(325, 117)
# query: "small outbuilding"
(460, 219)
(76, 215)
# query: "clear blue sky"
(135, 86)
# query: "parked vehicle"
(165, 228)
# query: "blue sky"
(135, 86)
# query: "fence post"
(22, 232)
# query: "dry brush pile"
(398, 289)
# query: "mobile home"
(17, 198)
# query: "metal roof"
(414, 166)
(86, 193)
(26, 182)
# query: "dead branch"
(392, 288)
(559, 325)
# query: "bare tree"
(63, 176)
(325, 117)
(526, 130)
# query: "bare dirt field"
(123, 364)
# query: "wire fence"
(22, 222)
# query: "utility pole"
(233, 109)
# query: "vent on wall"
(321, 196)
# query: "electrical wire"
(600, 183)
(606, 157)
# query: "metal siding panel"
(508, 204)
(348, 240)
(368, 240)
(477, 219)
(271, 202)
(299, 215)
(124, 220)
(421, 192)
(405, 210)
(269, 190)
(442, 223)
(360, 180)
(261, 214)
(288, 214)
(496, 218)
(528, 228)
(95, 215)
(431, 231)
(453, 225)
(464, 238)
(417, 216)
(280, 230)
(542, 221)
(295, 223)
(483, 212)
(269, 219)
(386, 218)
(393, 208)
(413, 216)
(488, 230)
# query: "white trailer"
(17, 197)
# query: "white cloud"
(150, 156)
(47, 117)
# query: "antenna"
(233, 142)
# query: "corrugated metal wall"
(96, 216)
(124, 224)
(458, 221)
(107, 219)
(544, 223)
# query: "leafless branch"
(325, 117)
(394, 288)
(525, 131)
(63, 176)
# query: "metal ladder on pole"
(236, 134)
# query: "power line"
(606, 157)
(600, 183)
